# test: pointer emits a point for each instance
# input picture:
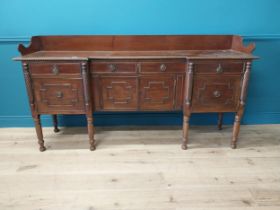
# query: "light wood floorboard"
(140, 168)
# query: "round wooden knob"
(219, 69)
(162, 67)
(217, 93)
(112, 67)
(55, 70)
(59, 94)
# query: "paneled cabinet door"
(157, 92)
(118, 93)
(212, 93)
(59, 96)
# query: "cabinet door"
(212, 93)
(118, 93)
(157, 92)
(59, 96)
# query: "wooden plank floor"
(141, 168)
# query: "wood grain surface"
(138, 168)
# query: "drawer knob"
(162, 67)
(219, 69)
(112, 67)
(217, 93)
(59, 94)
(55, 70)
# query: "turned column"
(39, 132)
(187, 104)
(88, 104)
(35, 115)
(240, 110)
(220, 120)
(55, 123)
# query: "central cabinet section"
(137, 85)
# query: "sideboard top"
(136, 47)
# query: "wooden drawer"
(112, 67)
(212, 94)
(219, 67)
(59, 95)
(162, 67)
(55, 69)
(118, 93)
(157, 93)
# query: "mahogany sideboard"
(83, 74)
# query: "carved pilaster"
(29, 88)
(189, 84)
(245, 83)
(86, 87)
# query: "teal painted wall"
(256, 20)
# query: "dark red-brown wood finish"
(83, 74)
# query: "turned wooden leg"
(187, 105)
(185, 132)
(236, 128)
(91, 133)
(55, 123)
(240, 111)
(220, 121)
(39, 132)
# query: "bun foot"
(56, 130)
(233, 146)
(184, 147)
(42, 149)
(92, 148)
